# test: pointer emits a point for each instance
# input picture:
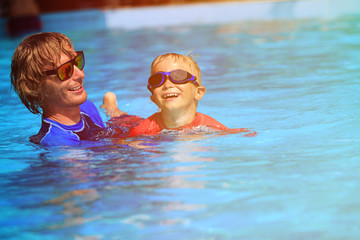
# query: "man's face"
(64, 95)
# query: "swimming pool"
(294, 80)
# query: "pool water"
(295, 82)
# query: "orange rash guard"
(153, 125)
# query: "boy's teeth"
(170, 95)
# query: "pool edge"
(228, 12)
(193, 14)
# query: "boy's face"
(176, 97)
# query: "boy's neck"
(177, 119)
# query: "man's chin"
(83, 98)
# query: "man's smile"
(76, 88)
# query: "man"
(47, 74)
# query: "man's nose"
(78, 73)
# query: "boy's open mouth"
(170, 95)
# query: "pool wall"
(194, 14)
(222, 13)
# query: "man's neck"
(64, 116)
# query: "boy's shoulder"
(149, 126)
(205, 120)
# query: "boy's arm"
(110, 105)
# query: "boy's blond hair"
(36, 54)
(187, 58)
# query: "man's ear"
(152, 98)
(200, 91)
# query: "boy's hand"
(110, 105)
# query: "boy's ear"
(200, 91)
(152, 98)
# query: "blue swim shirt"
(88, 128)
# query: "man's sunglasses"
(66, 70)
(177, 76)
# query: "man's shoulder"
(87, 105)
(52, 133)
(91, 110)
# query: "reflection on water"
(87, 185)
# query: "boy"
(175, 85)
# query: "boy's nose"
(167, 81)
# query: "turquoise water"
(295, 82)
